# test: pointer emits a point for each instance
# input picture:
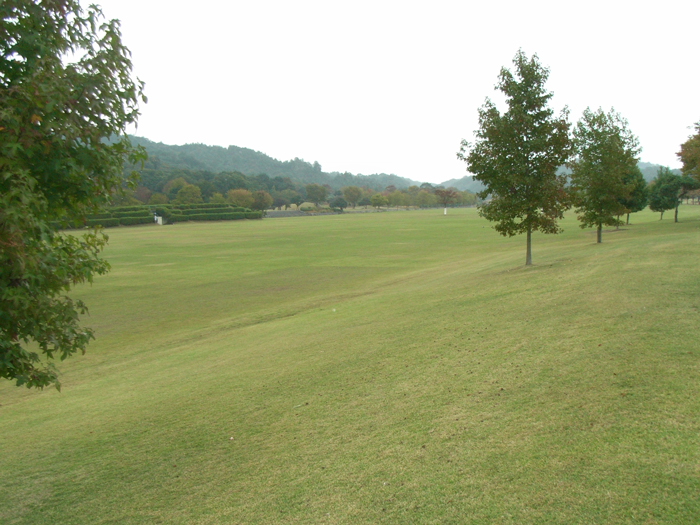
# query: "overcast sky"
(393, 86)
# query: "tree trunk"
(617, 226)
(628, 219)
(528, 256)
(600, 232)
(662, 216)
(675, 217)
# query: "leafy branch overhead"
(66, 92)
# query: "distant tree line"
(261, 192)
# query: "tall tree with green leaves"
(663, 191)
(638, 196)
(606, 154)
(352, 194)
(66, 92)
(516, 155)
(261, 200)
(669, 189)
(316, 193)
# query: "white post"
(445, 211)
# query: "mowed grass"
(399, 367)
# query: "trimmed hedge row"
(118, 221)
(171, 213)
(202, 205)
(119, 209)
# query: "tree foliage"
(352, 194)
(446, 196)
(316, 193)
(516, 154)
(339, 202)
(638, 196)
(689, 155)
(65, 90)
(261, 200)
(664, 191)
(240, 197)
(378, 200)
(189, 194)
(606, 155)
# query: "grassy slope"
(398, 367)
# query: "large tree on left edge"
(66, 97)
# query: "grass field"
(396, 367)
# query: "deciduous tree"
(516, 155)
(663, 191)
(606, 153)
(689, 155)
(189, 194)
(261, 200)
(316, 193)
(240, 197)
(378, 200)
(66, 98)
(352, 194)
(339, 202)
(446, 197)
(638, 197)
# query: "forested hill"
(216, 159)
(650, 170)
(467, 183)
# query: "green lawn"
(399, 367)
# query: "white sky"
(393, 86)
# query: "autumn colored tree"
(689, 155)
(66, 98)
(446, 197)
(240, 197)
(516, 155)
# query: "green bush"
(253, 215)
